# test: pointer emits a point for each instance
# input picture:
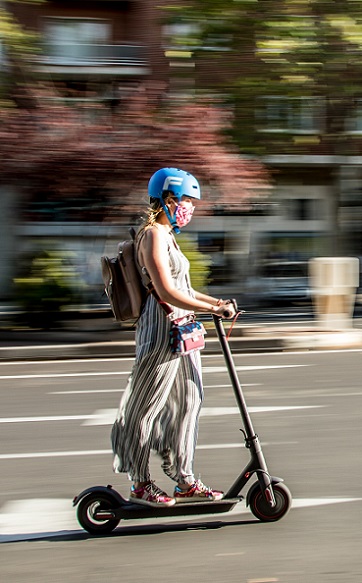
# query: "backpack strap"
(146, 280)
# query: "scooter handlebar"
(229, 313)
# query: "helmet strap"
(172, 219)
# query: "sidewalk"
(103, 338)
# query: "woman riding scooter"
(161, 405)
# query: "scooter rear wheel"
(263, 511)
(87, 513)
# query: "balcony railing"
(93, 55)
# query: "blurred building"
(95, 41)
(103, 51)
(95, 55)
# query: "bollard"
(333, 283)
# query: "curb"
(247, 341)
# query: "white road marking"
(61, 361)
(64, 361)
(63, 375)
(107, 416)
(86, 392)
(230, 554)
(36, 516)
(264, 580)
(47, 517)
(45, 419)
(213, 369)
(206, 370)
(89, 452)
(319, 351)
(53, 454)
(216, 411)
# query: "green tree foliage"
(47, 283)
(15, 44)
(199, 262)
(246, 50)
(13, 37)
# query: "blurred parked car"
(279, 283)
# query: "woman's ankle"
(138, 485)
(184, 487)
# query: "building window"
(353, 122)
(304, 209)
(302, 115)
(60, 31)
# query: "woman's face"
(186, 202)
(184, 211)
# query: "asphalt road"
(306, 407)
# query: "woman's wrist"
(214, 307)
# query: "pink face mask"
(183, 215)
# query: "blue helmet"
(174, 180)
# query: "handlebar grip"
(227, 314)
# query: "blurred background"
(262, 101)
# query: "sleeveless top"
(153, 326)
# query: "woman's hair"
(155, 209)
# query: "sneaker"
(198, 492)
(151, 495)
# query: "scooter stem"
(257, 464)
(249, 430)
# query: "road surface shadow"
(122, 531)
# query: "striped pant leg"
(133, 433)
(181, 432)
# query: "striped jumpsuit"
(160, 407)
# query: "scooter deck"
(131, 510)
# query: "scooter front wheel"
(262, 509)
(92, 513)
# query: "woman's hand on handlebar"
(226, 309)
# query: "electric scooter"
(101, 508)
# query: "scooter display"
(101, 508)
